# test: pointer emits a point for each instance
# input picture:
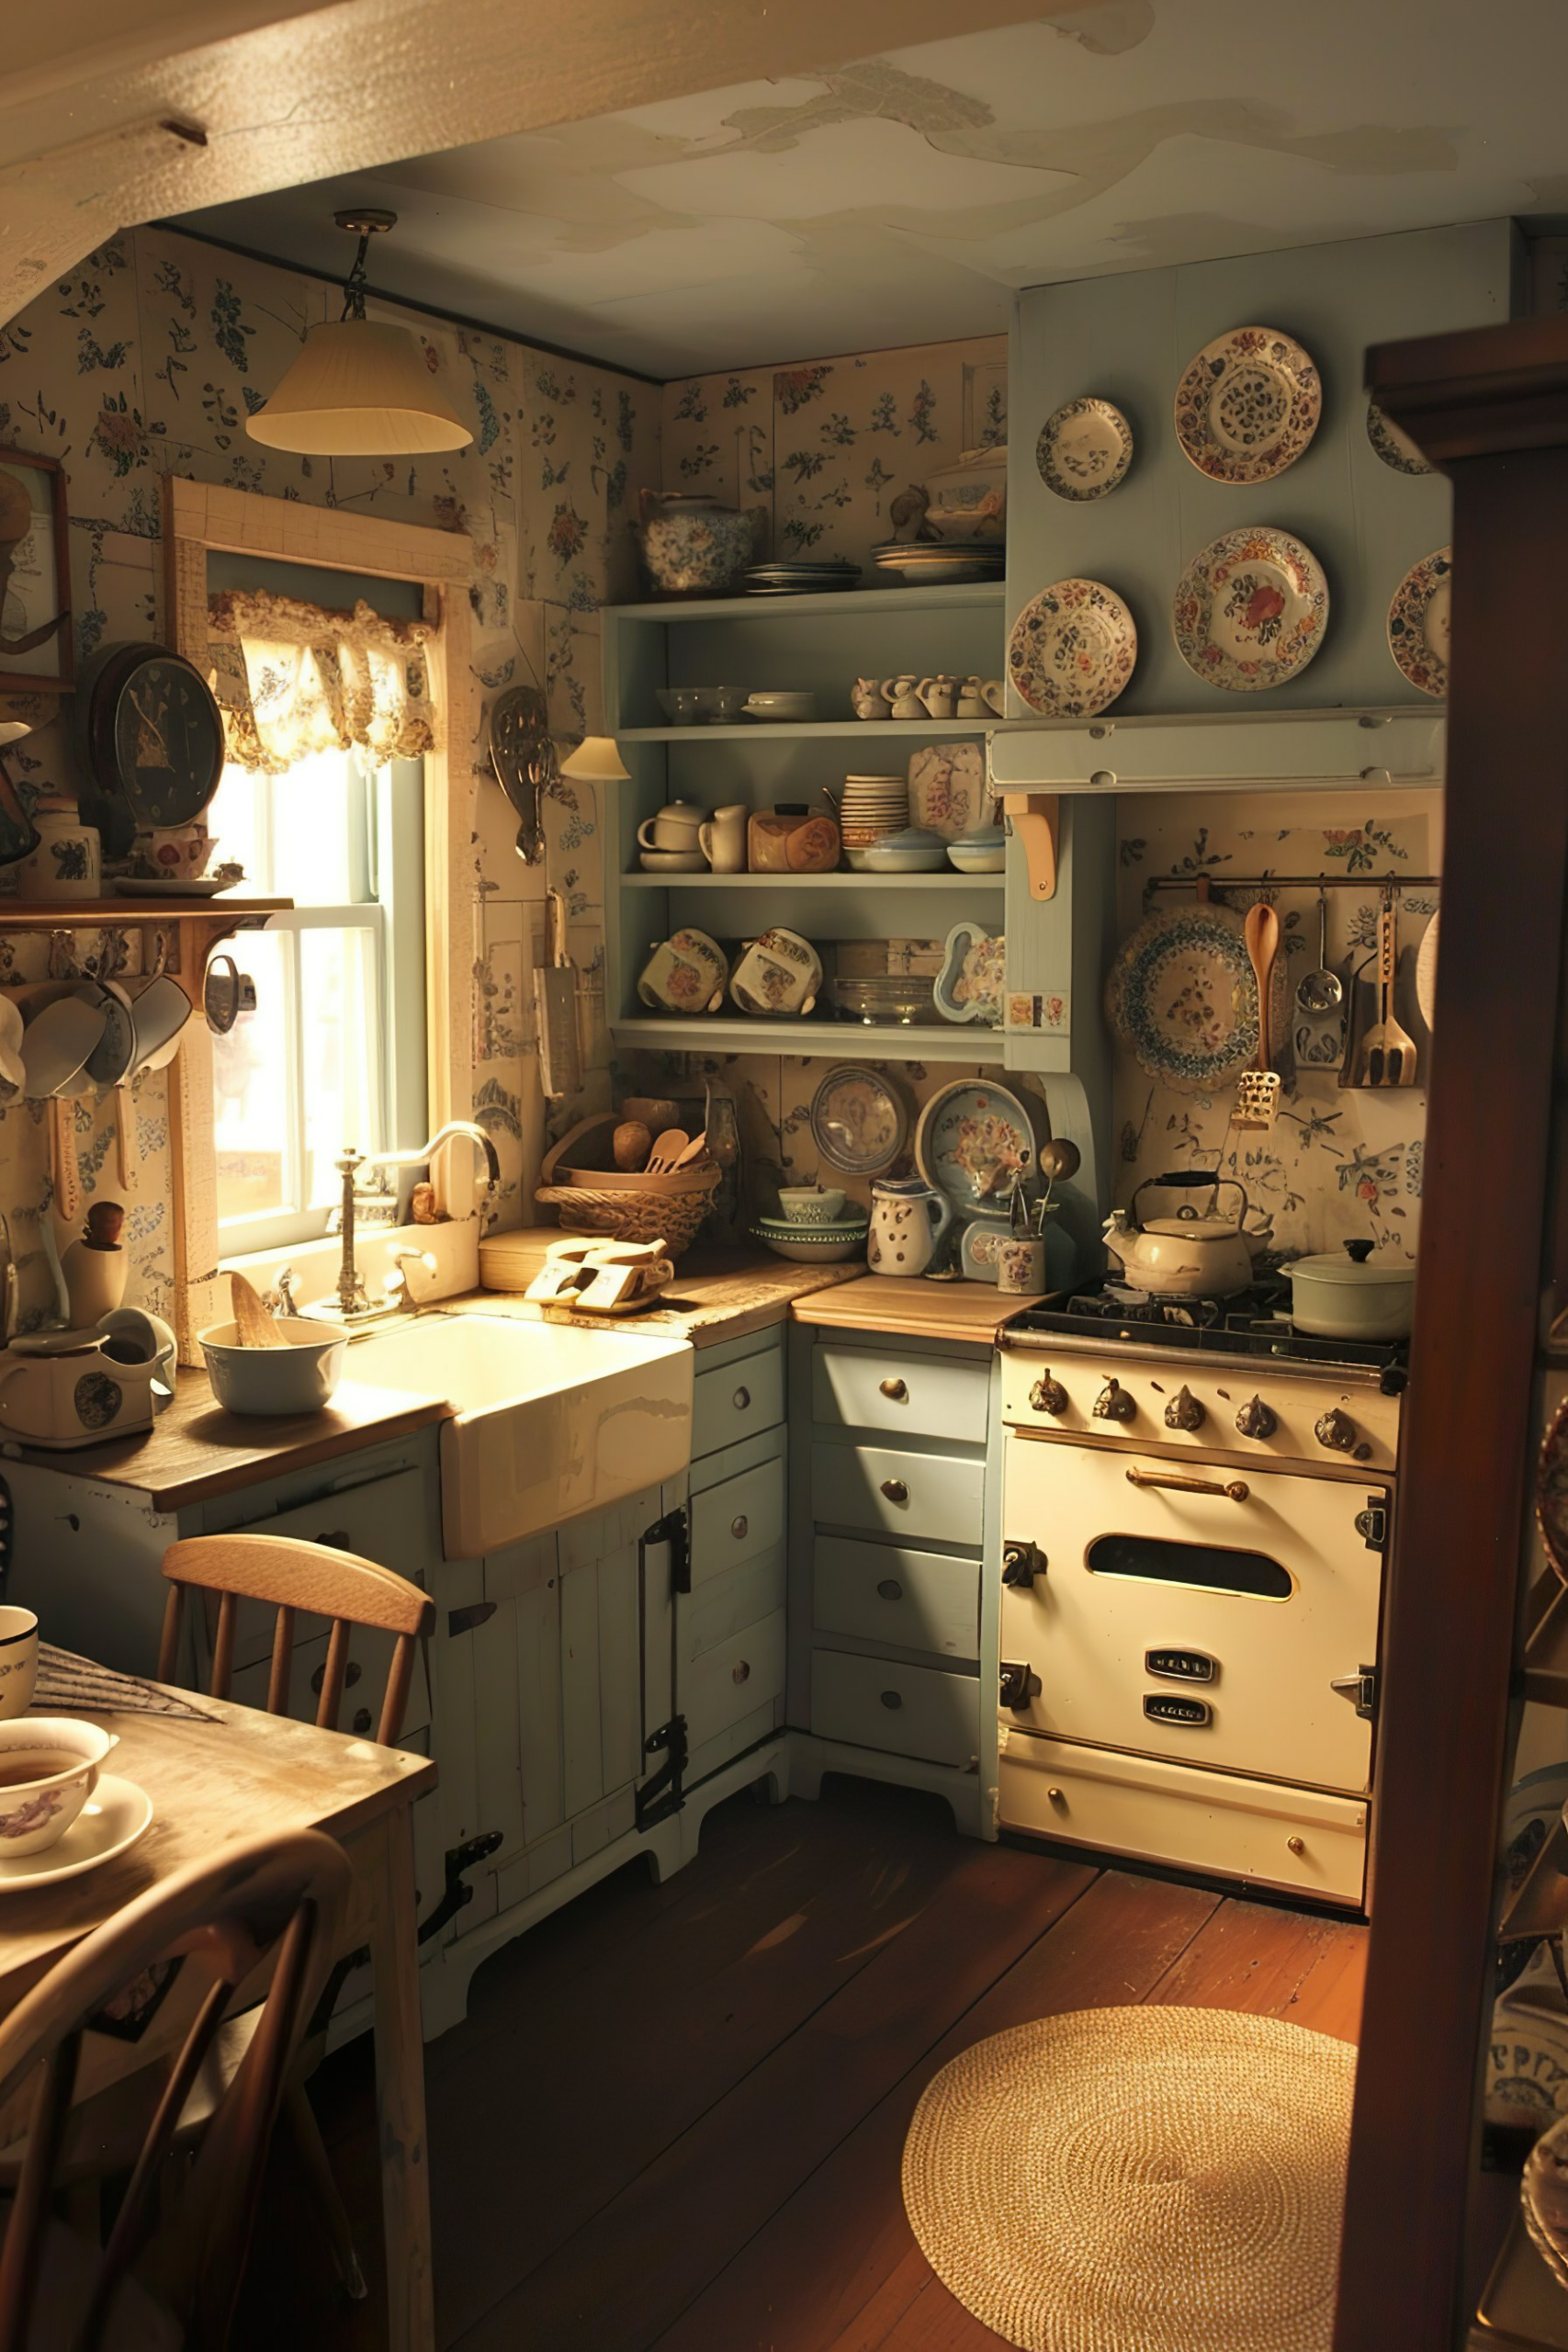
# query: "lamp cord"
(353, 285)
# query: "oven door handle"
(1234, 1490)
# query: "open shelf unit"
(967, 884)
(833, 1041)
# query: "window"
(334, 1053)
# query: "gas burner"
(1253, 1323)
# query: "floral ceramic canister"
(692, 546)
(65, 863)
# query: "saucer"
(113, 1817)
(672, 861)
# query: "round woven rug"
(1138, 2180)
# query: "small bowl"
(894, 999)
(35, 1813)
(983, 850)
(832, 1246)
(681, 706)
(913, 850)
(299, 1378)
(809, 1204)
(776, 703)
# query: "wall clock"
(154, 741)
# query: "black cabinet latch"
(1021, 1563)
(1372, 1524)
(673, 1530)
(661, 1795)
(1019, 1683)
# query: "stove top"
(1252, 1323)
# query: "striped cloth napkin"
(67, 1680)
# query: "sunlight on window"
(250, 1073)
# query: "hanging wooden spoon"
(1257, 1090)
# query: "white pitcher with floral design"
(908, 1217)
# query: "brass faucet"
(353, 1305)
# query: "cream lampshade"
(596, 761)
(358, 389)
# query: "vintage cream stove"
(1197, 1504)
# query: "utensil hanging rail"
(1369, 883)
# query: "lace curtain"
(292, 679)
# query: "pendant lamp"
(596, 761)
(358, 389)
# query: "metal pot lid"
(1351, 1269)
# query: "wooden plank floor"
(673, 2117)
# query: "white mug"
(722, 838)
(18, 1660)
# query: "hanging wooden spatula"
(1257, 1090)
(254, 1327)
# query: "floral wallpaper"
(146, 360)
(1340, 1162)
(827, 447)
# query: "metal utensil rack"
(1206, 885)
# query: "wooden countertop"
(960, 1310)
(716, 1293)
(195, 1449)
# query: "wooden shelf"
(82, 914)
(838, 1041)
(970, 596)
(949, 880)
(827, 730)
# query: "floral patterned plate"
(948, 791)
(1083, 449)
(1181, 997)
(858, 1122)
(1072, 650)
(969, 986)
(1393, 444)
(1418, 622)
(973, 1141)
(1552, 1491)
(1251, 610)
(1247, 405)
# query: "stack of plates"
(943, 562)
(802, 578)
(871, 807)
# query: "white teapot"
(1187, 1255)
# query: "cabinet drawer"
(736, 1520)
(737, 1400)
(862, 1388)
(1202, 1821)
(383, 1521)
(940, 1497)
(903, 1710)
(909, 1600)
(734, 1679)
(363, 1684)
(725, 1605)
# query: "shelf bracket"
(1037, 820)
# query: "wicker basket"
(624, 1207)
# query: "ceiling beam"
(106, 128)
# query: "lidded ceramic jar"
(694, 546)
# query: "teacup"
(994, 692)
(868, 699)
(939, 695)
(49, 1768)
(902, 695)
(810, 1204)
(18, 1660)
(174, 852)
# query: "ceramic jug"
(908, 1217)
(722, 838)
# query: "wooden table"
(213, 1783)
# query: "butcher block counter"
(919, 1309)
(716, 1295)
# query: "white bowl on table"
(297, 1378)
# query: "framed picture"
(35, 644)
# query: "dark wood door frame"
(1490, 408)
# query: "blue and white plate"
(973, 1141)
(1181, 998)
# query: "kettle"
(1187, 1255)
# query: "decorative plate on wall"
(1182, 998)
(1251, 610)
(1072, 650)
(1392, 445)
(858, 1122)
(973, 1142)
(1083, 449)
(1420, 620)
(1248, 405)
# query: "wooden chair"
(286, 1898)
(313, 1579)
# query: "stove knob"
(1184, 1411)
(1258, 1419)
(1335, 1430)
(1114, 1403)
(1048, 1395)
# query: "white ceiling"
(900, 199)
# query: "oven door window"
(1197, 1568)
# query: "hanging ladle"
(1322, 991)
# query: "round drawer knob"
(738, 1526)
(1296, 1845)
(742, 1673)
(894, 1699)
(896, 1490)
(740, 1399)
(890, 1588)
(1056, 1797)
(362, 1721)
(895, 1391)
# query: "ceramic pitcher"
(908, 1217)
